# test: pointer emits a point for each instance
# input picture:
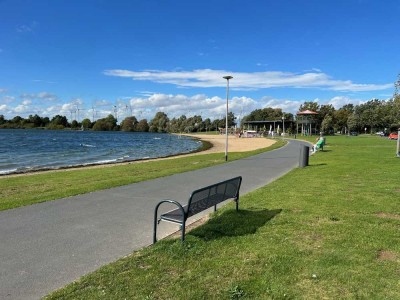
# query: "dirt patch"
(388, 216)
(386, 255)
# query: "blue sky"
(140, 57)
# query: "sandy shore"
(235, 144)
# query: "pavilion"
(307, 121)
(268, 125)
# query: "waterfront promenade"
(48, 245)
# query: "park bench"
(319, 145)
(199, 201)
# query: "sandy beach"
(235, 144)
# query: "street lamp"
(226, 121)
(283, 125)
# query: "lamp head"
(227, 77)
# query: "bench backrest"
(209, 196)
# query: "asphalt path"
(45, 246)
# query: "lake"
(30, 150)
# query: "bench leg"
(183, 231)
(155, 230)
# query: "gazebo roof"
(307, 112)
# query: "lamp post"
(226, 121)
(283, 125)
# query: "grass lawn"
(34, 188)
(327, 231)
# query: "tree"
(58, 122)
(341, 116)
(353, 123)
(264, 114)
(309, 105)
(327, 124)
(129, 124)
(86, 123)
(17, 120)
(74, 124)
(208, 125)
(325, 110)
(368, 114)
(45, 121)
(142, 126)
(159, 122)
(35, 120)
(106, 124)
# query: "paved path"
(45, 246)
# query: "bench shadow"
(232, 223)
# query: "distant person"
(319, 144)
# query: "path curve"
(48, 245)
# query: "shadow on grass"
(317, 165)
(232, 223)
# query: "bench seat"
(199, 201)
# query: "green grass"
(327, 231)
(34, 188)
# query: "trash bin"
(304, 154)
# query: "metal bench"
(199, 201)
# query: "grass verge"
(34, 188)
(327, 231)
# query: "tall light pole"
(226, 121)
(283, 124)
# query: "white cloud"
(26, 102)
(27, 28)
(7, 99)
(42, 96)
(43, 81)
(3, 108)
(206, 78)
(2, 90)
(200, 104)
(47, 96)
(288, 106)
(103, 103)
(340, 101)
(21, 108)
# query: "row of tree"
(372, 116)
(160, 123)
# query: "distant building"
(306, 122)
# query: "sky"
(88, 59)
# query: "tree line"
(159, 123)
(372, 116)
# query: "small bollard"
(304, 154)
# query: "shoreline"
(210, 144)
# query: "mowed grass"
(34, 188)
(327, 231)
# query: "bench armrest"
(156, 215)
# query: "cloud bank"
(207, 78)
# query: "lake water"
(29, 150)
